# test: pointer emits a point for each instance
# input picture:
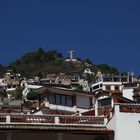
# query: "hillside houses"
(59, 100)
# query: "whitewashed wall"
(125, 125)
(128, 93)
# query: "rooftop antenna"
(71, 52)
(132, 75)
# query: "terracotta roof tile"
(59, 91)
(130, 108)
(74, 128)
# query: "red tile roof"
(59, 91)
(56, 112)
(89, 113)
(130, 108)
(64, 128)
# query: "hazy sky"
(105, 31)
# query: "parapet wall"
(126, 122)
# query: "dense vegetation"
(32, 95)
(18, 93)
(43, 62)
(2, 70)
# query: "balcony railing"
(51, 119)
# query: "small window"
(9, 86)
(58, 99)
(42, 98)
(63, 100)
(116, 79)
(69, 101)
(137, 100)
(104, 102)
(123, 79)
(51, 98)
(101, 85)
(108, 88)
(14, 86)
(107, 79)
(95, 87)
(116, 87)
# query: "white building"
(129, 89)
(125, 121)
(64, 100)
(107, 86)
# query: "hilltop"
(43, 62)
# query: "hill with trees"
(43, 62)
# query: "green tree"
(88, 61)
(107, 69)
(40, 61)
(79, 88)
(32, 95)
(18, 93)
(53, 55)
(89, 77)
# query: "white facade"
(128, 93)
(128, 90)
(60, 107)
(126, 125)
(28, 88)
(65, 108)
(82, 105)
(104, 85)
(112, 85)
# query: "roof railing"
(52, 119)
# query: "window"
(104, 102)
(63, 99)
(69, 101)
(42, 98)
(116, 87)
(107, 79)
(14, 86)
(51, 98)
(95, 87)
(116, 79)
(101, 85)
(137, 99)
(123, 79)
(58, 99)
(108, 88)
(12, 77)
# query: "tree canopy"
(18, 93)
(32, 95)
